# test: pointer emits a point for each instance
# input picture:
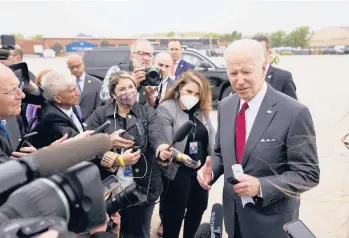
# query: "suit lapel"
(269, 75)
(14, 133)
(87, 88)
(263, 119)
(230, 116)
(68, 118)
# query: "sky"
(127, 18)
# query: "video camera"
(153, 76)
(8, 43)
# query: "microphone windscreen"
(217, 219)
(204, 231)
(183, 131)
(58, 158)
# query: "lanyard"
(193, 132)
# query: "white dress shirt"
(253, 108)
(70, 113)
(82, 81)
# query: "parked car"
(99, 60)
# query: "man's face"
(143, 55)
(13, 58)
(76, 67)
(10, 94)
(267, 51)
(245, 75)
(163, 63)
(68, 97)
(175, 50)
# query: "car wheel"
(227, 91)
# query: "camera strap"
(158, 97)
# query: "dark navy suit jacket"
(182, 67)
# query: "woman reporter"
(142, 129)
(188, 99)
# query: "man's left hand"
(163, 153)
(248, 186)
(24, 151)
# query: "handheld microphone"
(49, 161)
(204, 231)
(181, 133)
(216, 220)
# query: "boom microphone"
(216, 220)
(49, 161)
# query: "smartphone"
(135, 148)
(102, 127)
(25, 140)
(126, 135)
(232, 180)
(110, 184)
(193, 162)
(297, 229)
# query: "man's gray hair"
(134, 44)
(245, 46)
(55, 82)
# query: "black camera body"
(153, 76)
(31, 227)
(8, 43)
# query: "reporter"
(188, 99)
(124, 112)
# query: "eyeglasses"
(142, 53)
(344, 140)
(15, 92)
(75, 66)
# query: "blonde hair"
(40, 75)
(205, 100)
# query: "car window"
(105, 58)
(192, 59)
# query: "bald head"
(247, 48)
(246, 67)
(76, 65)
(5, 72)
(163, 61)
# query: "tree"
(171, 34)
(277, 38)
(37, 37)
(235, 35)
(298, 37)
(18, 36)
(58, 48)
(104, 43)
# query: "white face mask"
(189, 101)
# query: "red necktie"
(240, 133)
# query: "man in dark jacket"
(60, 114)
(279, 79)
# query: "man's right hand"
(139, 75)
(118, 142)
(204, 175)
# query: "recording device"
(24, 69)
(153, 76)
(135, 148)
(232, 180)
(204, 231)
(8, 43)
(214, 228)
(102, 127)
(49, 161)
(110, 184)
(68, 195)
(25, 140)
(127, 136)
(31, 227)
(130, 196)
(297, 229)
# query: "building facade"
(330, 36)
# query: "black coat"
(152, 137)
(53, 124)
(281, 80)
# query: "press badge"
(193, 147)
(128, 171)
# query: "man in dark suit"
(178, 65)
(60, 113)
(154, 95)
(11, 130)
(89, 86)
(271, 137)
(280, 79)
